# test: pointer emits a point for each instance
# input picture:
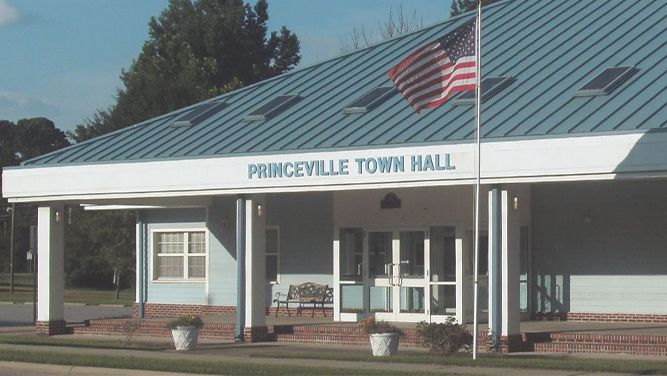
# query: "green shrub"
(443, 338)
(186, 320)
(371, 326)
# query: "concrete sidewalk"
(17, 368)
(241, 353)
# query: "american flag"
(430, 75)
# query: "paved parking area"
(21, 314)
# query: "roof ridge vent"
(606, 81)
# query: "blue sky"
(62, 58)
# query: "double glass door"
(406, 274)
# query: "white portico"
(335, 185)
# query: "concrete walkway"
(17, 368)
(241, 353)
(629, 328)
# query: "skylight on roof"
(490, 86)
(606, 81)
(370, 100)
(273, 107)
(198, 114)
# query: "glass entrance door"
(442, 273)
(397, 274)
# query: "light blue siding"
(306, 238)
(600, 247)
(174, 292)
(222, 252)
(305, 223)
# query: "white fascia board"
(525, 161)
(94, 207)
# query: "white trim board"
(553, 159)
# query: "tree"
(20, 141)
(398, 23)
(196, 50)
(462, 6)
(100, 249)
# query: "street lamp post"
(11, 250)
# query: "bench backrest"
(308, 290)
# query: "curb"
(72, 304)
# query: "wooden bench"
(305, 294)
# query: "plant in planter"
(185, 330)
(443, 338)
(383, 336)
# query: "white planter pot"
(185, 337)
(384, 344)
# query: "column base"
(255, 334)
(50, 328)
(512, 343)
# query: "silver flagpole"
(478, 42)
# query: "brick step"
(635, 349)
(597, 338)
(334, 339)
(323, 329)
(152, 330)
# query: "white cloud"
(14, 106)
(8, 14)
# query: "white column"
(511, 315)
(336, 271)
(462, 280)
(137, 257)
(494, 253)
(50, 263)
(255, 285)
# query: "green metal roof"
(549, 48)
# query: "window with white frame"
(179, 255)
(272, 254)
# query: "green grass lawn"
(564, 362)
(23, 292)
(197, 366)
(74, 341)
(536, 362)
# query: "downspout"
(240, 268)
(140, 267)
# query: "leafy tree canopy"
(462, 6)
(196, 50)
(28, 138)
(20, 141)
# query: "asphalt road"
(21, 314)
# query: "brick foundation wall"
(50, 328)
(513, 343)
(600, 317)
(508, 344)
(154, 328)
(152, 310)
(308, 312)
(256, 334)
